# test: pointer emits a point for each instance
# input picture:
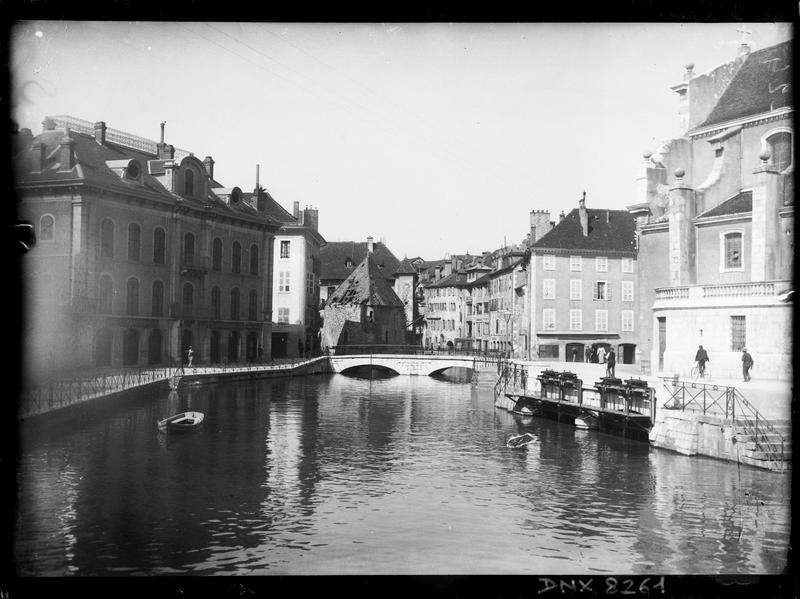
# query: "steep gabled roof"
(334, 255)
(609, 230)
(742, 202)
(405, 268)
(365, 285)
(762, 84)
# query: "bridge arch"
(422, 365)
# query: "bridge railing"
(351, 350)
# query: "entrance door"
(626, 353)
(280, 345)
(575, 352)
(662, 340)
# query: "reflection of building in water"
(681, 528)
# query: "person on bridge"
(747, 364)
(190, 356)
(701, 357)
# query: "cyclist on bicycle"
(701, 357)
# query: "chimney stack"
(296, 210)
(208, 162)
(584, 215)
(258, 171)
(100, 132)
(162, 130)
(370, 245)
(66, 153)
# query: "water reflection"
(334, 474)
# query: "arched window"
(780, 145)
(236, 258)
(188, 249)
(130, 347)
(215, 303)
(107, 239)
(216, 254)
(254, 259)
(234, 304)
(159, 246)
(214, 349)
(132, 297)
(233, 346)
(46, 227)
(188, 182)
(102, 347)
(134, 241)
(157, 300)
(105, 293)
(252, 312)
(154, 347)
(188, 294)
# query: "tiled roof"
(272, 208)
(92, 168)
(405, 268)
(456, 279)
(608, 230)
(762, 84)
(334, 255)
(741, 202)
(366, 284)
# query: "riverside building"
(140, 254)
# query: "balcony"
(757, 292)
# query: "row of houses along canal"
(326, 472)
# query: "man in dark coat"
(611, 363)
(747, 364)
(701, 357)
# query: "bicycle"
(696, 374)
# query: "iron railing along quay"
(94, 384)
(727, 402)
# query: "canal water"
(329, 474)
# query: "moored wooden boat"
(519, 441)
(588, 420)
(184, 421)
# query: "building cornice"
(749, 121)
(584, 252)
(706, 221)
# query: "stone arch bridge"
(422, 365)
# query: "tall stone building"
(140, 254)
(364, 310)
(715, 221)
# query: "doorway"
(280, 345)
(575, 352)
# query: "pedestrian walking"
(611, 363)
(588, 353)
(747, 364)
(701, 357)
(601, 355)
(574, 355)
(190, 356)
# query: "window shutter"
(608, 291)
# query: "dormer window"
(235, 196)
(188, 182)
(133, 171)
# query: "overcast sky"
(438, 138)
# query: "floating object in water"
(181, 422)
(520, 441)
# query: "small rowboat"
(184, 421)
(520, 441)
(588, 421)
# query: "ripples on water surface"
(404, 475)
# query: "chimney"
(165, 152)
(208, 162)
(37, 156)
(561, 216)
(584, 216)
(258, 172)
(66, 153)
(311, 218)
(370, 245)
(296, 210)
(100, 132)
(608, 216)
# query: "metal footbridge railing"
(728, 402)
